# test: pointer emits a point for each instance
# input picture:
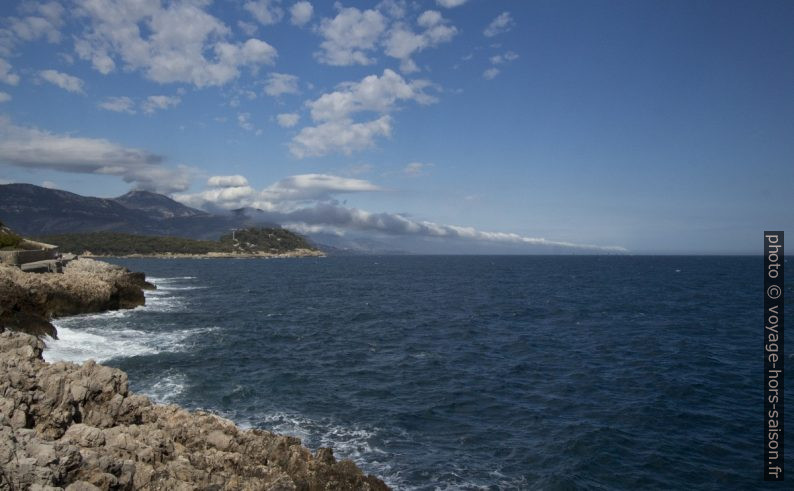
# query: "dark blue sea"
(456, 372)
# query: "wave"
(116, 334)
(167, 389)
(102, 343)
(357, 443)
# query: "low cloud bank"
(308, 202)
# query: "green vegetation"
(270, 240)
(264, 239)
(8, 239)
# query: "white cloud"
(156, 102)
(313, 187)
(505, 58)
(5, 97)
(248, 28)
(49, 185)
(6, 73)
(288, 120)
(350, 36)
(309, 202)
(265, 11)
(342, 136)
(337, 131)
(301, 13)
(179, 42)
(491, 73)
(415, 169)
(450, 3)
(372, 93)
(33, 148)
(118, 104)
(62, 80)
(281, 83)
(501, 24)
(244, 121)
(231, 192)
(402, 42)
(38, 20)
(227, 181)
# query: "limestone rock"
(77, 427)
(28, 300)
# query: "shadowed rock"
(28, 301)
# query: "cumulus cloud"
(179, 42)
(33, 148)
(342, 136)
(450, 3)
(62, 80)
(4, 97)
(36, 21)
(7, 74)
(350, 37)
(244, 121)
(491, 73)
(227, 181)
(288, 120)
(265, 11)
(501, 24)
(373, 93)
(402, 42)
(157, 102)
(118, 104)
(281, 83)
(301, 13)
(333, 112)
(497, 60)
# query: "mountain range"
(35, 211)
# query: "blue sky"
(658, 127)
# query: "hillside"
(36, 211)
(245, 241)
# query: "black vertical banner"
(774, 355)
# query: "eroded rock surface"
(29, 300)
(77, 427)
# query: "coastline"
(78, 427)
(219, 255)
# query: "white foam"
(102, 343)
(168, 387)
(347, 442)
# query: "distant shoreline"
(216, 255)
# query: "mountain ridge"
(35, 211)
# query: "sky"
(586, 126)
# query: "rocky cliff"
(28, 301)
(77, 427)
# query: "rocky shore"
(28, 301)
(78, 428)
(226, 255)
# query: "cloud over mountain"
(33, 148)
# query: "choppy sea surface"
(455, 372)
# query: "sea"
(464, 372)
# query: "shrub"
(9, 239)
